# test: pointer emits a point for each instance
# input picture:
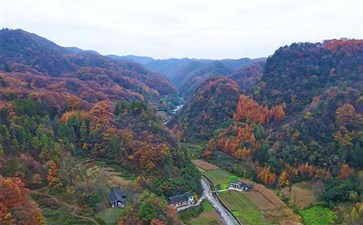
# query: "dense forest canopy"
(304, 117)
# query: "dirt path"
(84, 217)
(70, 206)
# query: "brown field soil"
(207, 218)
(267, 193)
(259, 200)
(204, 165)
(299, 197)
(271, 206)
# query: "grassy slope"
(62, 216)
(110, 216)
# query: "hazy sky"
(185, 28)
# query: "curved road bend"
(226, 216)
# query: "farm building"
(181, 200)
(241, 186)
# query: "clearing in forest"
(205, 165)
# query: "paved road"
(225, 215)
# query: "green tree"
(84, 131)
(56, 152)
(147, 211)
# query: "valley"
(76, 124)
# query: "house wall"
(176, 205)
(118, 205)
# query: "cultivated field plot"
(267, 193)
(204, 165)
(243, 208)
(218, 176)
(271, 206)
(259, 200)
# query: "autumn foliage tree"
(240, 139)
(157, 222)
(249, 110)
(284, 178)
(52, 176)
(265, 175)
(357, 212)
(345, 172)
(16, 207)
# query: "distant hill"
(139, 59)
(25, 52)
(187, 74)
(248, 76)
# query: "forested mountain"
(210, 108)
(304, 118)
(212, 105)
(59, 106)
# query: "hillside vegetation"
(58, 104)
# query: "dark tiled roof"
(238, 183)
(178, 198)
(241, 184)
(117, 195)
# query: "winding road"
(225, 215)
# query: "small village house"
(241, 186)
(181, 200)
(117, 198)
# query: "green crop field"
(318, 215)
(218, 176)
